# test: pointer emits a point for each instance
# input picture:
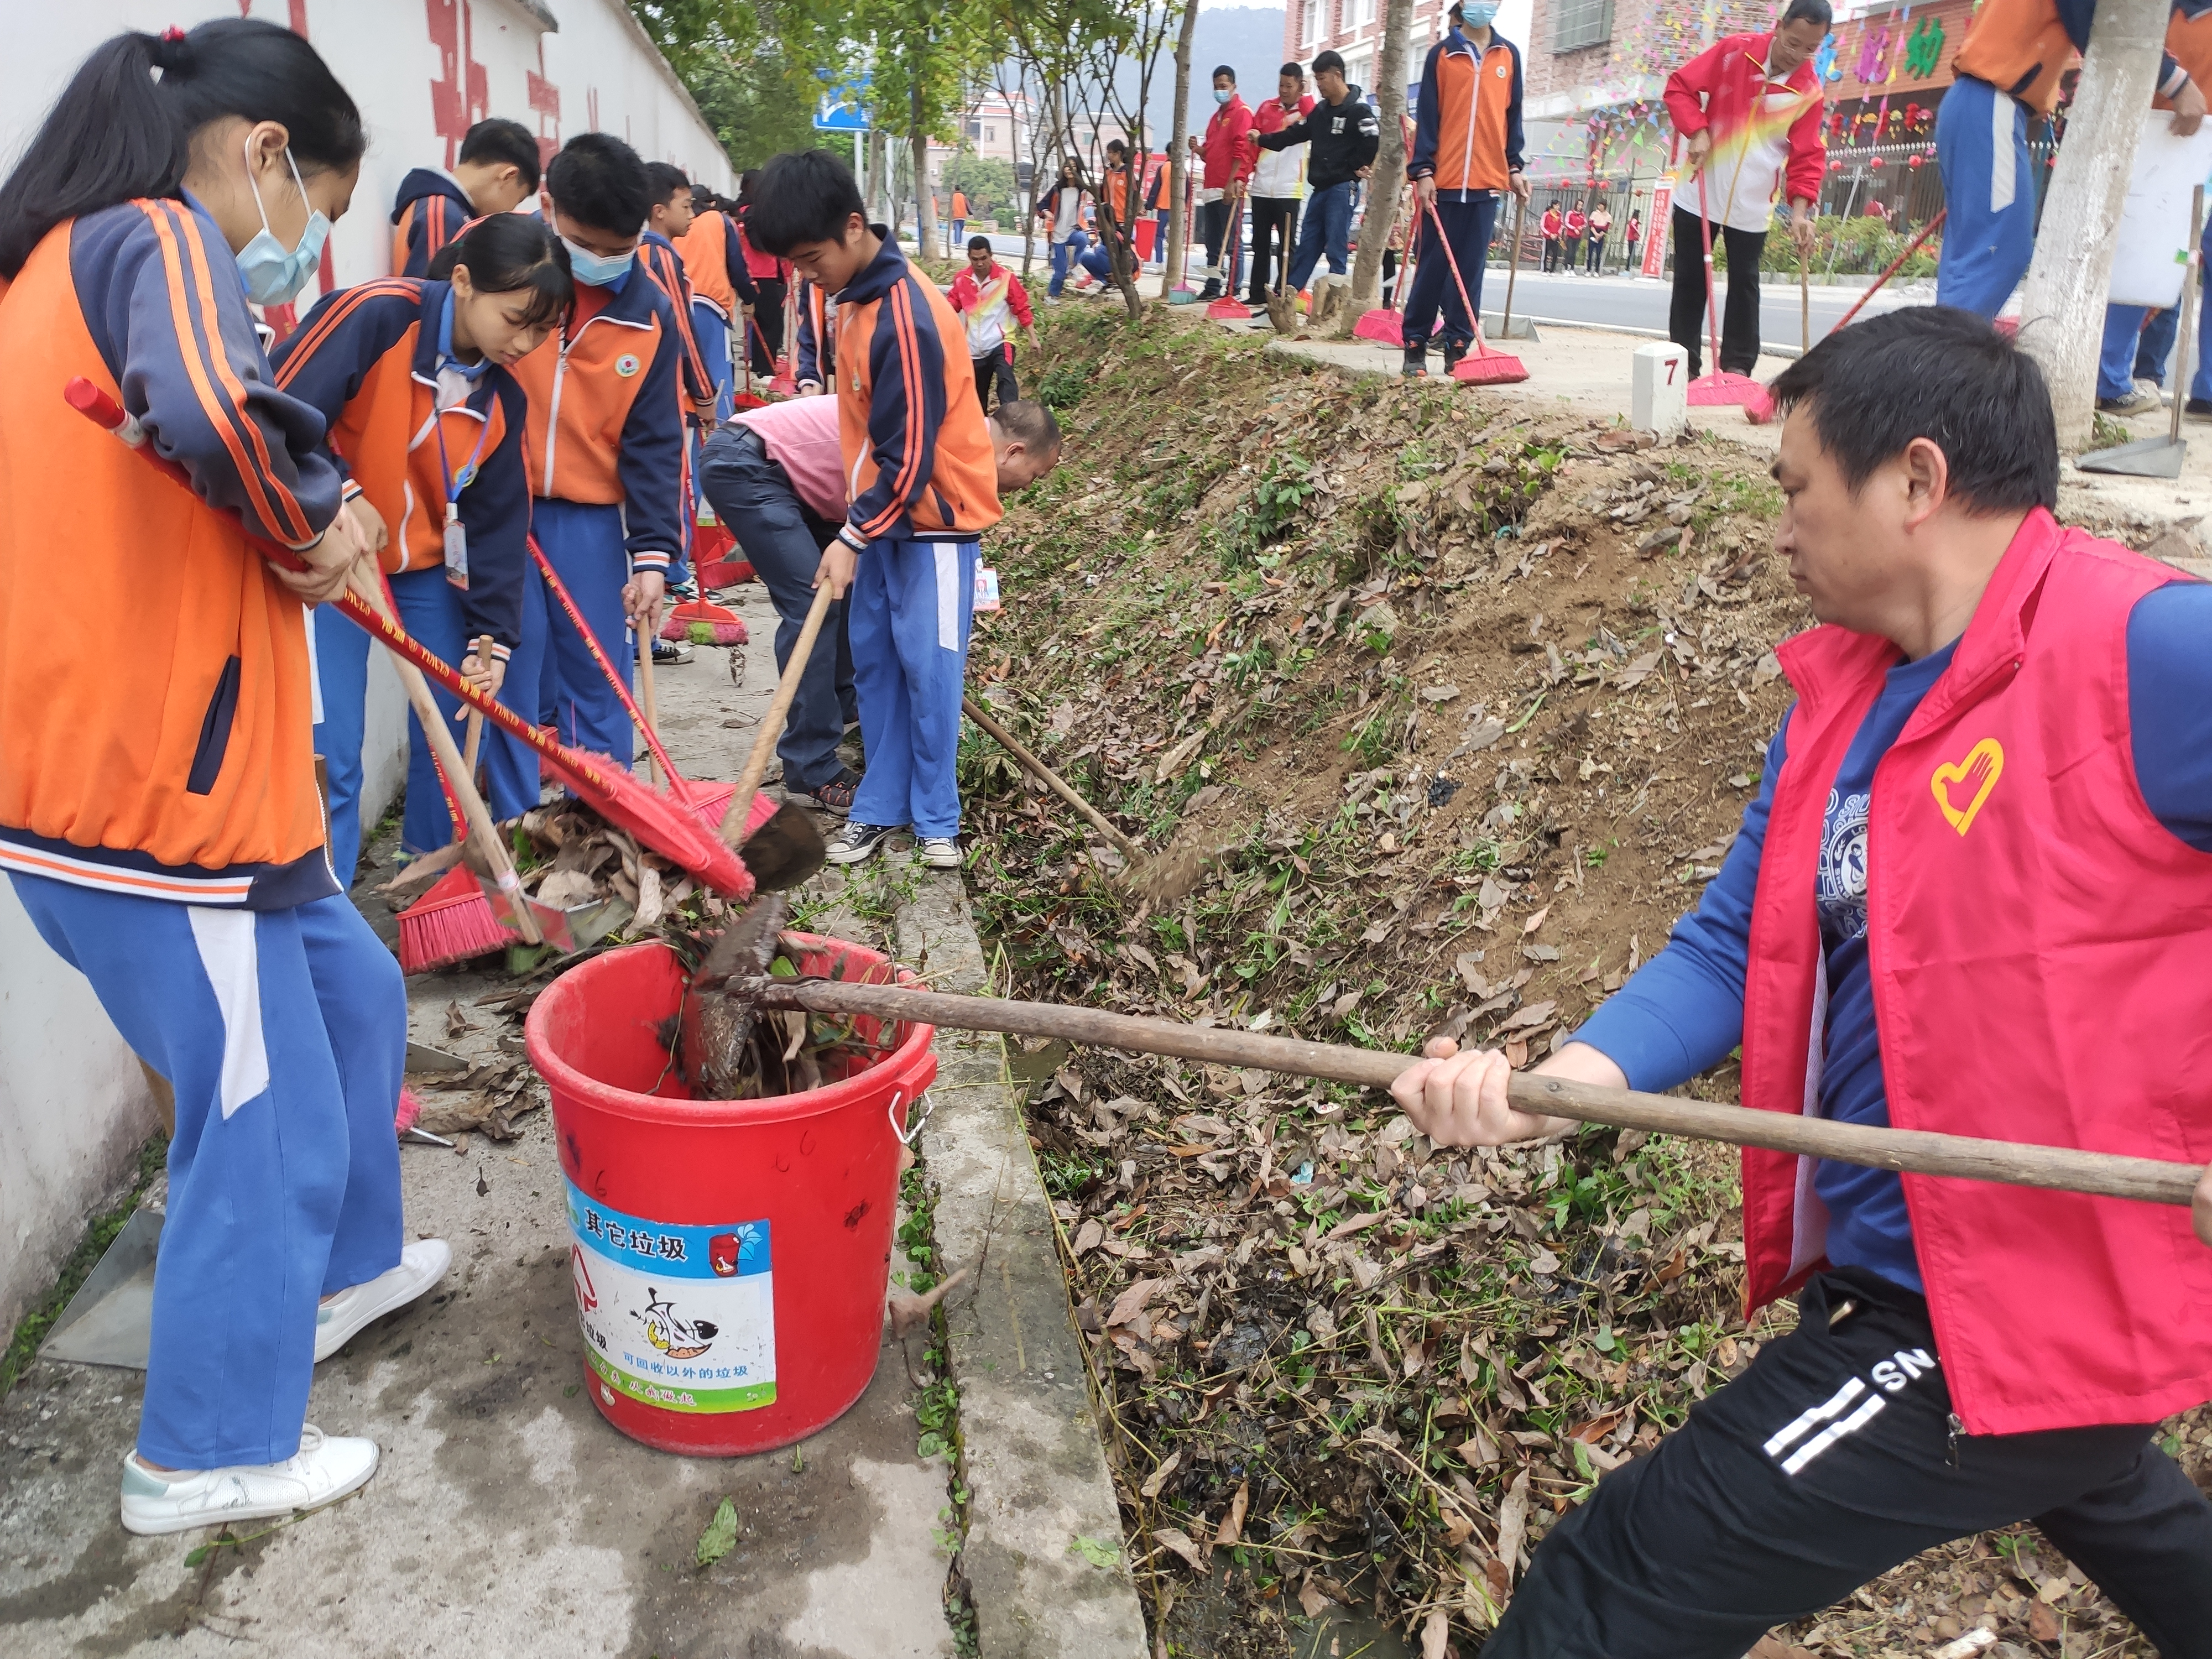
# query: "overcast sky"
(1513, 17)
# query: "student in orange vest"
(960, 215)
(1974, 895)
(158, 813)
(723, 296)
(496, 173)
(427, 423)
(605, 449)
(924, 486)
(667, 223)
(771, 279)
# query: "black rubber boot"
(1417, 362)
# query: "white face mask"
(273, 276)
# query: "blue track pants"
(1989, 196)
(908, 612)
(585, 544)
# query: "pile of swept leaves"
(1459, 705)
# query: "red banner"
(1654, 232)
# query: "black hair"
(507, 253)
(664, 180)
(1113, 145)
(1294, 71)
(1028, 423)
(1329, 60)
(498, 140)
(123, 126)
(979, 242)
(1221, 69)
(1806, 11)
(745, 184)
(1938, 373)
(598, 180)
(801, 196)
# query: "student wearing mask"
(605, 447)
(158, 812)
(1748, 110)
(1278, 183)
(1346, 137)
(496, 173)
(1467, 156)
(426, 423)
(1226, 156)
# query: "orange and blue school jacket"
(368, 359)
(604, 425)
(657, 258)
(2024, 47)
(1468, 131)
(813, 332)
(918, 462)
(180, 766)
(714, 262)
(429, 212)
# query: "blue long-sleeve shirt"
(1683, 1011)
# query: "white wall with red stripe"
(74, 1106)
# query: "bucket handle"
(906, 1136)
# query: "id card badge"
(987, 588)
(457, 548)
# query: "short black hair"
(978, 245)
(598, 180)
(1327, 61)
(1028, 423)
(498, 140)
(1806, 11)
(1938, 373)
(1113, 145)
(1221, 69)
(665, 180)
(801, 196)
(1291, 71)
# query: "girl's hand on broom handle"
(484, 668)
(641, 595)
(1458, 1099)
(329, 560)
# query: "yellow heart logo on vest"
(1977, 775)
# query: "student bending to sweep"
(158, 815)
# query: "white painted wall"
(73, 1103)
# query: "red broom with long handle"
(1483, 366)
(677, 786)
(669, 828)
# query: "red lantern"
(1835, 166)
(1913, 161)
(1876, 162)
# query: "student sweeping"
(427, 423)
(918, 461)
(993, 302)
(1748, 109)
(1467, 155)
(1279, 182)
(1974, 895)
(158, 813)
(496, 172)
(605, 446)
(1346, 137)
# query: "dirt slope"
(1462, 710)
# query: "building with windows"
(1354, 27)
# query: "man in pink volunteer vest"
(1974, 895)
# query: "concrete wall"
(73, 1103)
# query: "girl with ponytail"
(158, 818)
(411, 375)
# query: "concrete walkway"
(507, 1518)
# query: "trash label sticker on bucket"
(678, 1317)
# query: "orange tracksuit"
(1468, 131)
(430, 213)
(181, 767)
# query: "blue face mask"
(1478, 14)
(596, 268)
(1223, 94)
(272, 275)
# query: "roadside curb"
(1043, 1554)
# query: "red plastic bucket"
(730, 1257)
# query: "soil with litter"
(1454, 707)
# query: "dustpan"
(1482, 365)
(2161, 458)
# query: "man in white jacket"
(1278, 182)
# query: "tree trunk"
(1171, 258)
(925, 209)
(2063, 307)
(880, 177)
(1388, 183)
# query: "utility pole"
(2062, 317)
(1173, 256)
(1389, 182)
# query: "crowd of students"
(542, 377)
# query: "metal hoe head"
(2146, 458)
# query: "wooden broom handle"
(2061, 1169)
(1051, 780)
(771, 725)
(481, 650)
(651, 702)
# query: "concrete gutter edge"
(1043, 1554)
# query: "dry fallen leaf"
(1436, 1633)
(1176, 1539)
(1536, 920)
(1512, 1522)
(1158, 1478)
(1088, 1235)
(1131, 1302)
(1231, 1532)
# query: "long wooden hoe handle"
(1051, 780)
(2063, 1168)
(771, 725)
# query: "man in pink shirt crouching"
(775, 477)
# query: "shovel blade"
(110, 1320)
(2146, 458)
(785, 851)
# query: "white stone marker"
(1659, 392)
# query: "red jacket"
(1766, 137)
(2036, 941)
(1228, 150)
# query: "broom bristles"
(699, 622)
(410, 1107)
(452, 922)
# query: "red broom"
(669, 828)
(1720, 387)
(748, 398)
(1482, 365)
(677, 786)
(452, 922)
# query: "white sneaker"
(324, 1470)
(338, 1321)
(939, 852)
